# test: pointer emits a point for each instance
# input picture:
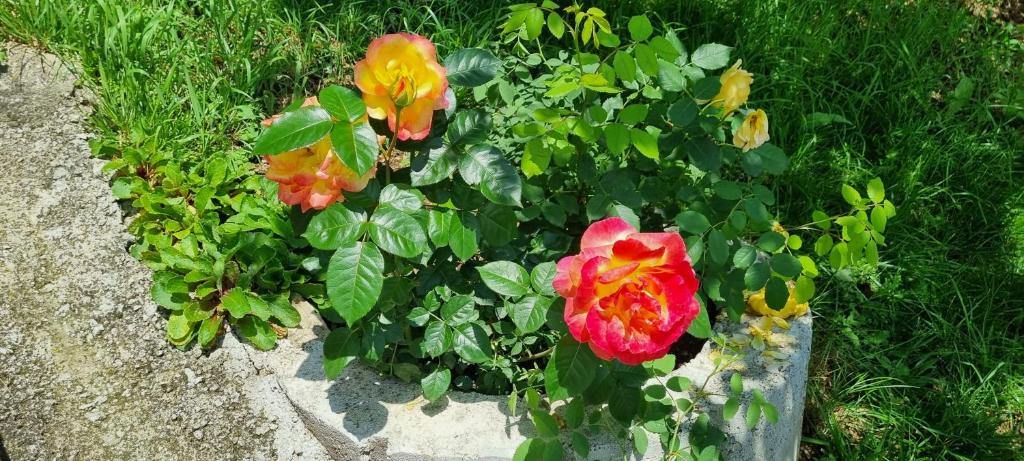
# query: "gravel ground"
(85, 372)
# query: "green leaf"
(736, 383)
(459, 309)
(670, 77)
(626, 404)
(178, 327)
(355, 277)
(731, 407)
(542, 277)
(821, 219)
(625, 66)
(804, 289)
(497, 224)
(665, 49)
(786, 265)
(693, 222)
(436, 384)
(640, 28)
(574, 413)
(876, 190)
(647, 60)
(342, 103)
(461, 239)
(437, 338)
(683, 112)
(616, 136)
(472, 344)
(823, 245)
(661, 366)
(756, 276)
(878, 219)
(753, 414)
(556, 25)
(744, 257)
(434, 163)
(419, 316)
(471, 67)
(645, 142)
(397, 233)
(400, 199)
(536, 158)
(576, 365)
(773, 159)
(169, 290)
(580, 445)
(701, 325)
(335, 226)
(678, 383)
(771, 241)
(498, 180)
(534, 23)
(282, 310)
(707, 88)
(356, 145)
(258, 332)
(545, 423)
(633, 114)
(718, 246)
(704, 154)
(469, 127)
(711, 56)
(299, 128)
(340, 348)
(851, 195)
(530, 313)
(208, 330)
(237, 303)
(639, 439)
(776, 293)
(505, 278)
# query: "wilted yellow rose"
(735, 89)
(402, 81)
(757, 305)
(753, 132)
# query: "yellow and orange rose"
(629, 295)
(402, 82)
(735, 89)
(312, 176)
(752, 132)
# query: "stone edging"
(365, 416)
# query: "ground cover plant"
(899, 372)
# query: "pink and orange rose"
(629, 295)
(312, 176)
(402, 82)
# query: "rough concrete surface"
(85, 371)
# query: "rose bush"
(434, 199)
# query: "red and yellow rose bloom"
(629, 295)
(402, 82)
(312, 176)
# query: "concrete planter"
(363, 415)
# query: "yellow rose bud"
(735, 89)
(753, 132)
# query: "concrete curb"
(365, 416)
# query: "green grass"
(924, 360)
